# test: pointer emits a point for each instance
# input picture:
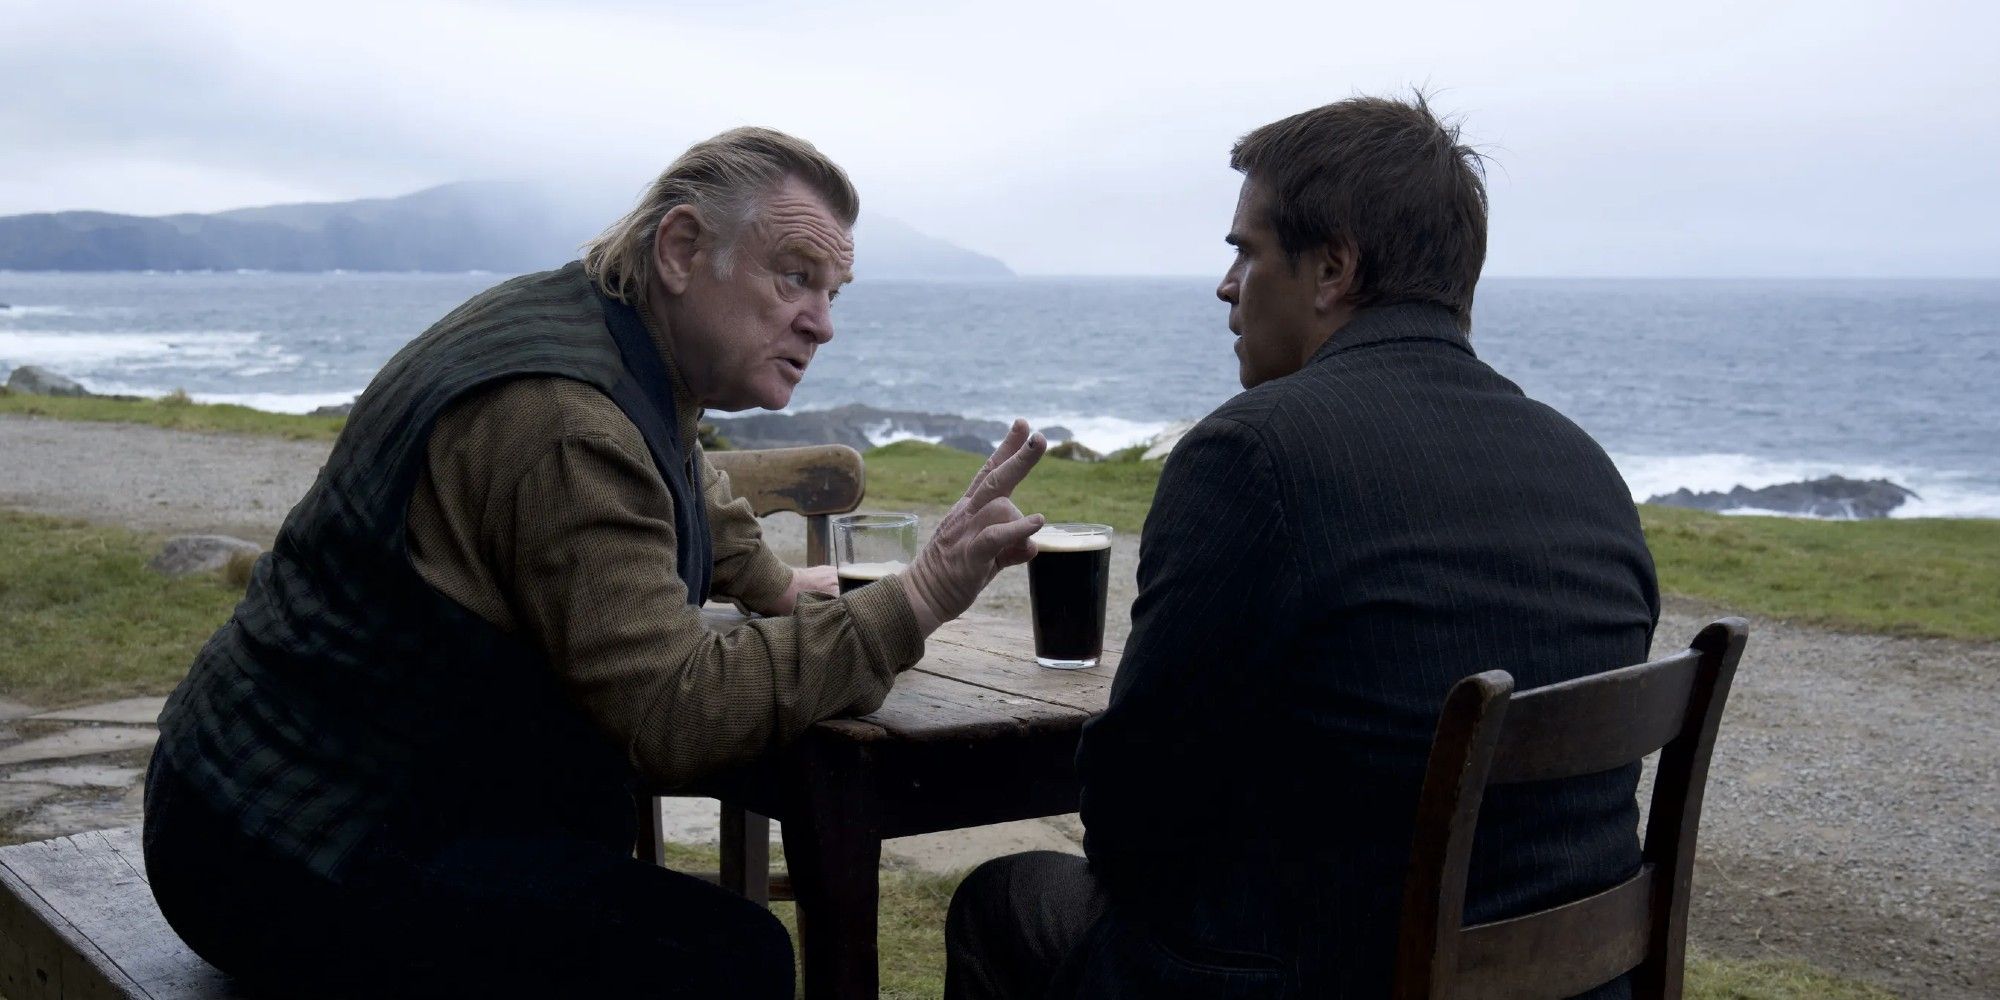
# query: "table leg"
(835, 857)
(746, 854)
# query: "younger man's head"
(1364, 202)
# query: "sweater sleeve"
(547, 506)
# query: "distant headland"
(473, 226)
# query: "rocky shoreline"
(1833, 497)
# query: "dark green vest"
(346, 699)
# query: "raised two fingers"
(1008, 474)
(1017, 435)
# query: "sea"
(1704, 384)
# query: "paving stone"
(10, 709)
(128, 711)
(18, 795)
(62, 819)
(82, 742)
(82, 775)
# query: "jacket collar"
(687, 409)
(1401, 321)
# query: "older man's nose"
(816, 322)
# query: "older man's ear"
(677, 243)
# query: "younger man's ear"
(1336, 265)
(677, 244)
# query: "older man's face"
(746, 337)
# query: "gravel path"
(1853, 815)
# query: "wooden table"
(976, 733)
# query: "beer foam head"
(1055, 539)
(871, 570)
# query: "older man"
(1376, 516)
(405, 765)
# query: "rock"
(185, 554)
(967, 442)
(1163, 443)
(1057, 434)
(38, 381)
(333, 410)
(1833, 497)
(856, 425)
(1075, 452)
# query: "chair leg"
(746, 854)
(649, 835)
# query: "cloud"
(1709, 137)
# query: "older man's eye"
(799, 279)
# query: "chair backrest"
(1487, 735)
(815, 481)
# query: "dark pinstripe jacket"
(1327, 553)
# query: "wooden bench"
(78, 922)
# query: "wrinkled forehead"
(794, 220)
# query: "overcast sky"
(1686, 138)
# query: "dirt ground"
(1853, 809)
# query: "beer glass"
(1067, 580)
(868, 547)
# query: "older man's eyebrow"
(807, 249)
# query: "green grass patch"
(910, 936)
(1923, 576)
(1117, 492)
(176, 412)
(1728, 979)
(83, 619)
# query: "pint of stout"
(1067, 581)
(868, 547)
(854, 575)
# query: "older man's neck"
(676, 360)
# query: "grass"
(910, 936)
(1728, 979)
(1117, 492)
(1923, 577)
(176, 412)
(83, 619)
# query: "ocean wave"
(1940, 492)
(1101, 434)
(20, 310)
(270, 402)
(73, 353)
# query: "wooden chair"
(1487, 735)
(817, 482)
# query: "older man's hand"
(983, 534)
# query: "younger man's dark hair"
(1386, 177)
